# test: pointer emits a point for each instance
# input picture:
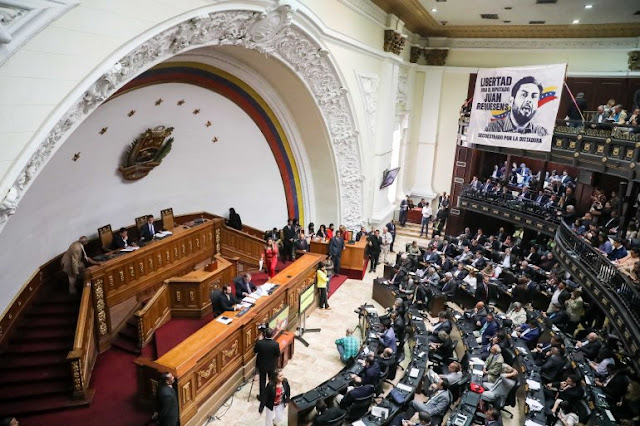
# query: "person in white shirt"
(517, 314)
(426, 218)
(387, 239)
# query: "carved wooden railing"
(85, 349)
(246, 247)
(153, 315)
(614, 292)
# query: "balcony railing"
(616, 293)
(506, 206)
(605, 148)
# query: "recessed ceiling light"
(434, 10)
(506, 22)
(588, 6)
(508, 8)
(576, 21)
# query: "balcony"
(615, 293)
(603, 148)
(507, 207)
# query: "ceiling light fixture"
(434, 10)
(588, 6)
(576, 21)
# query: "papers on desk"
(608, 413)
(373, 336)
(267, 286)
(477, 372)
(380, 412)
(533, 404)
(522, 350)
(250, 300)
(587, 380)
(475, 360)
(404, 387)
(129, 249)
(421, 354)
(414, 373)
(245, 304)
(224, 320)
(416, 318)
(533, 385)
(554, 328)
(358, 423)
(532, 423)
(163, 234)
(366, 350)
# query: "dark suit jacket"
(591, 350)
(241, 286)
(336, 245)
(616, 389)
(288, 233)
(357, 393)
(167, 406)
(442, 326)
(552, 368)
(146, 234)
(491, 329)
(118, 242)
(481, 292)
(268, 351)
(445, 350)
(371, 375)
(461, 275)
(226, 304)
(270, 395)
(479, 263)
(328, 416)
(450, 287)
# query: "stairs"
(127, 338)
(34, 373)
(412, 230)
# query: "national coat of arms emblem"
(146, 152)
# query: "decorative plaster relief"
(369, 85)
(270, 33)
(403, 89)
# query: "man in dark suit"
(244, 286)
(479, 262)
(590, 347)
(489, 327)
(148, 230)
(121, 239)
(226, 300)
(336, 246)
(443, 324)
(288, 236)
(370, 374)
(166, 404)
(482, 289)
(449, 285)
(391, 227)
(268, 352)
(273, 234)
(325, 416)
(551, 369)
(460, 272)
(358, 390)
(493, 417)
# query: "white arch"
(270, 32)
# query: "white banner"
(516, 107)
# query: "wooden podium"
(353, 262)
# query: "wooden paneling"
(246, 247)
(155, 313)
(211, 357)
(85, 348)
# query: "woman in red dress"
(270, 257)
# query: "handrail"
(154, 314)
(508, 201)
(616, 293)
(85, 351)
(248, 248)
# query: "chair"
(510, 399)
(384, 373)
(508, 355)
(140, 221)
(445, 360)
(167, 218)
(215, 305)
(394, 367)
(581, 408)
(457, 387)
(359, 407)
(337, 421)
(106, 237)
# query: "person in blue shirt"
(529, 332)
(388, 338)
(618, 251)
(489, 327)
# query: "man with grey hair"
(493, 364)
(73, 262)
(516, 314)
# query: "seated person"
(493, 365)
(448, 285)
(424, 419)
(499, 389)
(148, 230)
(599, 365)
(479, 262)
(413, 252)
(442, 350)
(388, 337)
(244, 286)
(614, 385)
(121, 240)
(553, 366)
(436, 406)
(529, 332)
(397, 322)
(227, 300)
(386, 359)
(348, 346)
(370, 374)
(443, 324)
(500, 339)
(489, 327)
(478, 314)
(358, 389)
(431, 378)
(558, 316)
(542, 352)
(517, 314)
(460, 272)
(590, 347)
(493, 417)
(325, 416)
(300, 246)
(431, 257)
(471, 282)
(431, 276)
(562, 394)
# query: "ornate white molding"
(22, 19)
(622, 43)
(271, 33)
(367, 9)
(403, 89)
(369, 86)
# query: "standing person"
(73, 262)
(426, 218)
(321, 283)
(270, 257)
(391, 227)
(404, 211)
(386, 239)
(234, 220)
(276, 398)
(288, 235)
(330, 231)
(336, 246)
(166, 408)
(441, 216)
(374, 242)
(267, 353)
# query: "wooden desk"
(211, 363)
(415, 215)
(353, 262)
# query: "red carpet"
(336, 282)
